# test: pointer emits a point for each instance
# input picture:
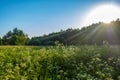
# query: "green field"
(60, 62)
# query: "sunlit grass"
(59, 62)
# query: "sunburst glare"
(102, 13)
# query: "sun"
(102, 13)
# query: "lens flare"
(102, 13)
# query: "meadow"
(60, 62)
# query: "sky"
(39, 17)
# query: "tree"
(0, 41)
(15, 37)
(4, 40)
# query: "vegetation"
(93, 34)
(60, 63)
(17, 37)
(98, 60)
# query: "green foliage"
(60, 63)
(17, 37)
(90, 35)
(0, 41)
(93, 34)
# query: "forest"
(97, 33)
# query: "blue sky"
(38, 17)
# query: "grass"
(60, 62)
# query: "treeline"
(94, 34)
(15, 37)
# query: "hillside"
(93, 34)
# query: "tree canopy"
(15, 37)
(90, 35)
(94, 34)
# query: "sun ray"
(102, 13)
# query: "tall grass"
(60, 63)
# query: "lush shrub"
(60, 63)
